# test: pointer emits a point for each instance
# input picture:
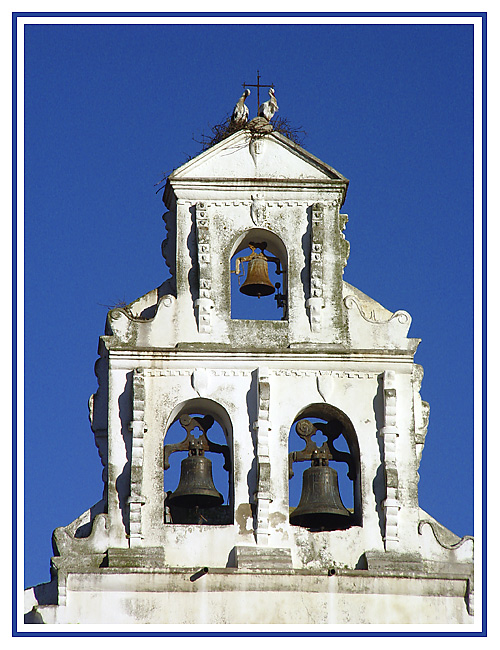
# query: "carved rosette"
(204, 304)
(137, 428)
(262, 426)
(389, 434)
(316, 301)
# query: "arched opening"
(197, 465)
(324, 470)
(259, 277)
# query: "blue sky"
(111, 109)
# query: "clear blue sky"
(111, 109)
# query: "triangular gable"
(269, 156)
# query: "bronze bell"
(320, 506)
(196, 486)
(257, 282)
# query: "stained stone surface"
(337, 355)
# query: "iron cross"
(258, 85)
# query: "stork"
(240, 113)
(269, 108)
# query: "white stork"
(269, 108)
(240, 113)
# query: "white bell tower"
(180, 378)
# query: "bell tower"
(203, 420)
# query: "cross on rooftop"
(258, 85)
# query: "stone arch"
(332, 414)
(211, 407)
(275, 243)
(197, 409)
(276, 248)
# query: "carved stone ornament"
(258, 211)
(256, 146)
(201, 380)
(402, 317)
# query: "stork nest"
(224, 129)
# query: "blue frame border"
(15, 16)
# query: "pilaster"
(316, 302)
(137, 429)
(389, 434)
(204, 304)
(262, 426)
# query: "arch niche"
(198, 427)
(338, 436)
(269, 307)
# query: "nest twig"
(226, 128)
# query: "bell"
(257, 282)
(320, 506)
(196, 486)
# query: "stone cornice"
(286, 185)
(220, 358)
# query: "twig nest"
(260, 124)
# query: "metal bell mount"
(257, 282)
(196, 486)
(320, 506)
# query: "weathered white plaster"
(338, 354)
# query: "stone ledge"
(148, 557)
(249, 557)
(394, 564)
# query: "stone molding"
(222, 372)
(137, 428)
(262, 427)
(389, 434)
(337, 374)
(188, 372)
(258, 196)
